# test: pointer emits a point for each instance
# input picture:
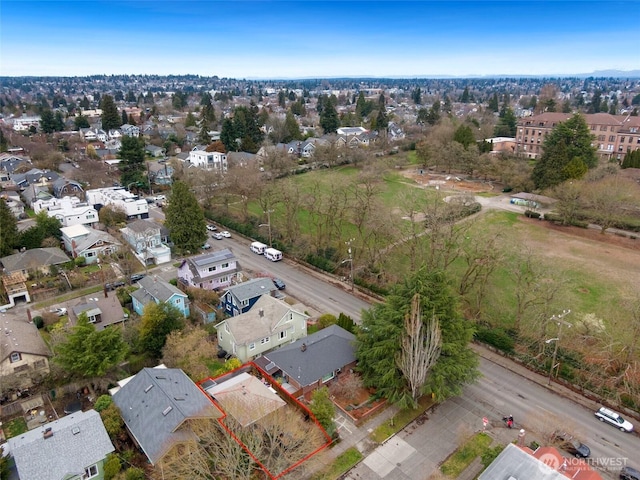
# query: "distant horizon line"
(610, 73)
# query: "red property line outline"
(282, 392)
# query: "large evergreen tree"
(568, 143)
(110, 117)
(379, 341)
(45, 227)
(185, 219)
(507, 124)
(158, 320)
(132, 165)
(8, 229)
(292, 129)
(87, 352)
(329, 120)
(464, 136)
(631, 159)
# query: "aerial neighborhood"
(208, 277)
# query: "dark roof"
(206, 259)
(156, 289)
(252, 289)
(324, 352)
(154, 405)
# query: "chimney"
(261, 313)
(48, 433)
(303, 347)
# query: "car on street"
(280, 285)
(211, 228)
(137, 276)
(206, 246)
(614, 418)
(225, 234)
(114, 285)
(60, 311)
(629, 473)
(217, 236)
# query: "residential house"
(395, 132)
(12, 163)
(301, 148)
(545, 463)
(158, 405)
(310, 362)
(24, 123)
(155, 289)
(68, 210)
(160, 173)
(119, 198)
(71, 448)
(35, 176)
(89, 243)
(145, 238)
(88, 134)
(199, 157)
(154, 151)
(36, 193)
(240, 298)
(41, 259)
(63, 187)
(130, 130)
(24, 356)
(114, 134)
(102, 310)
(270, 324)
(210, 271)
(242, 159)
(13, 201)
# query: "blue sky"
(270, 39)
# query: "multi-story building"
(68, 210)
(119, 198)
(614, 135)
(199, 157)
(209, 271)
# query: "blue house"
(155, 289)
(240, 298)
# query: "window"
(621, 139)
(603, 128)
(90, 472)
(212, 269)
(283, 335)
(39, 364)
(15, 357)
(226, 328)
(252, 346)
(265, 340)
(245, 303)
(225, 265)
(593, 127)
(21, 368)
(601, 138)
(612, 138)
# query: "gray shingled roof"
(92, 239)
(36, 257)
(261, 321)
(142, 226)
(155, 288)
(208, 259)
(326, 351)
(154, 405)
(516, 463)
(252, 288)
(18, 335)
(78, 441)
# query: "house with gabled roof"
(240, 298)
(89, 243)
(70, 448)
(157, 406)
(210, 271)
(102, 310)
(64, 187)
(24, 356)
(35, 259)
(310, 362)
(145, 238)
(155, 289)
(270, 324)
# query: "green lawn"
(400, 420)
(15, 427)
(467, 453)
(345, 461)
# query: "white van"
(257, 247)
(273, 254)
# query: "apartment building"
(119, 198)
(614, 135)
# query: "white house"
(208, 160)
(22, 124)
(119, 197)
(145, 239)
(209, 271)
(68, 210)
(130, 130)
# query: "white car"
(60, 311)
(212, 228)
(615, 419)
(217, 236)
(225, 234)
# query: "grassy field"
(467, 453)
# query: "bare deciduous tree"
(421, 345)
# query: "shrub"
(134, 473)
(496, 337)
(38, 321)
(326, 320)
(111, 467)
(531, 214)
(80, 261)
(102, 402)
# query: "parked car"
(629, 473)
(614, 418)
(211, 228)
(60, 311)
(114, 285)
(137, 276)
(217, 236)
(570, 444)
(206, 246)
(225, 234)
(280, 285)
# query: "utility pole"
(350, 259)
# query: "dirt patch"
(447, 181)
(355, 400)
